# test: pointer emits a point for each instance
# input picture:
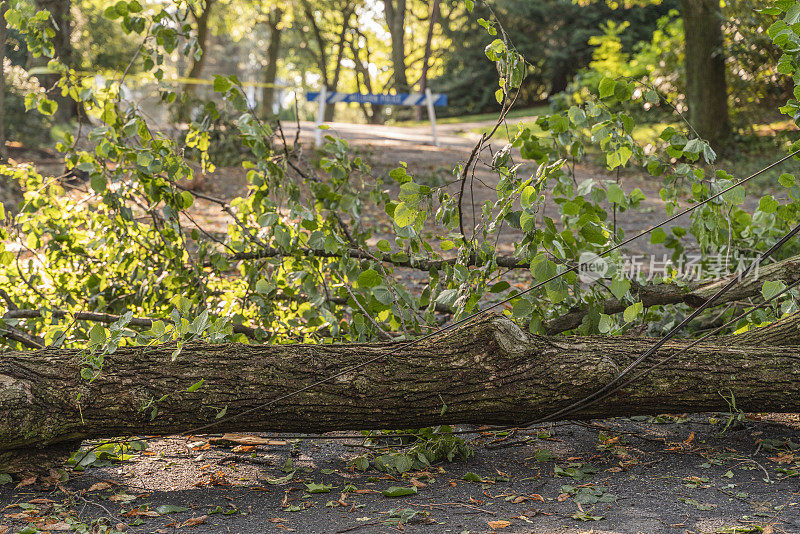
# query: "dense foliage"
(299, 261)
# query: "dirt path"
(385, 146)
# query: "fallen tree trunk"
(485, 372)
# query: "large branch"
(397, 259)
(108, 318)
(486, 372)
(787, 270)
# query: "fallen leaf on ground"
(59, 526)
(99, 486)
(26, 482)
(243, 439)
(122, 497)
(4, 529)
(219, 479)
(194, 521)
(137, 512)
(499, 524)
(118, 526)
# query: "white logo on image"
(591, 267)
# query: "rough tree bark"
(347, 14)
(423, 79)
(706, 89)
(60, 11)
(271, 70)
(201, 20)
(487, 371)
(395, 13)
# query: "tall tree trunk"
(375, 113)
(423, 79)
(395, 13)
(487, 371)
(201, 27)
(271, 71)
(201, 20)
(62, 45)
(337, 69)
(3, 9)
(706, 88)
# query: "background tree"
(395, 13)
(706, 87)
(63, 22)
(273, 22)
(423, 79)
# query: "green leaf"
(786, 180)
(197, 385)
(369, 278)
(404, 463)
(399, 491)
(632, 312)
(522, 308)
(499, 286)
(735, 196)
(772, 288)
(47, 106)
(5, 478)
(792, 15)
(606, 87)
(281, 480)
(97, 334)
(403, 215)
(605, 324)
(262, 287)
(187, 199)
(619, 287)
(528, 196)
(447, 245)
(767, 204)
(615, 194)
(469, 476)
(318, 488)
(98, 183)
(221, 84)
(695, 146)
(658, 236)
(576, 115)
(170, 509)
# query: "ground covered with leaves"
(717, 473)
